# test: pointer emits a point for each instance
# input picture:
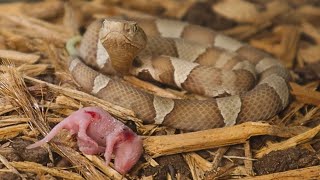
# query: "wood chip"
(310, 54)
(197, 165)
(37, 168)
(112, 174)
(171, 144)
(238, 10)
(19, 57)
(12, 131)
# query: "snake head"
(123, 40)
(124, 32)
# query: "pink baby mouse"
(97, 132)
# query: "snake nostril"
(136, 62)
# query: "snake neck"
(121, 55)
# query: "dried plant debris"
(171, 165)
(310, 72)
(37, 92)
(201, 13)
(39, 155)
(279, 161)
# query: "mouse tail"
(49, 136)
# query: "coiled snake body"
(191, 57)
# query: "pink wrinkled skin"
(97, 132)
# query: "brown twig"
(170, 144)
(248, 162)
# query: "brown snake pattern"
(213, 65)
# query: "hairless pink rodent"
(98, 132)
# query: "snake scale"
(244, 83)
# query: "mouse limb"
(111, 140)
(86, 144)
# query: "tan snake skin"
(212, 65)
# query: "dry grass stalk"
(12, 8)
(40, 28)
(13, 120)
(291, 112)
(303, 173)
(305, 95)
(238, 10)
(19, 57)
(6, 106)
(248, 160)
(30, 69)
(292, 142)
(275, 9)
(244, 32)
(72, 19)
(13, 86)
(218, 155)
(197, 165)
(308, 10)
(40, 169)
(283, 45)
(310, 54)
(311, 31)
(245, 12)
(47, 9)
(84, 97)
(98, 10)
(171, 144)
(150, 87)
(66, 101)
(15, 39)
(288, 45)
(99, 163)
(6, 109)
(56, 58)
(5, 162)
(175, 9)
(12, 131)
(18, 33)
(309, 116)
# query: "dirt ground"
(288, 30)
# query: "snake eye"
(134, 28)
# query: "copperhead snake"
(185, 56)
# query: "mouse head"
(128, 151)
